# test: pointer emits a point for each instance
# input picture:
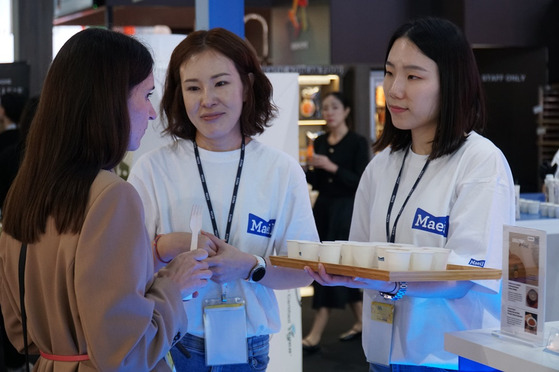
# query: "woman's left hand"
(229, 263)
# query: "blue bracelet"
(395, 296)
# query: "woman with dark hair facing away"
(433, 169)
(254, 197)
(91, 297)
(340, 157)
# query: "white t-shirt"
(461, 203)
(272, 206)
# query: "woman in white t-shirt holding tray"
(434, 182)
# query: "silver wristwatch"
(400, 289)
(258, 271)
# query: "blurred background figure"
(11, 156)
(340, 157)
(11, 107)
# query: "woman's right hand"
(188, 271)
(172, 244)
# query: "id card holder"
(225, 331)
(382, 322)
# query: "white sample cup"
(380, 258)
(523, 206)
(533, 207)
(346, 256)
(363, 254)
(544, 208)
(421, 259)
(309, 250)
(551, 210)
(440, 258)
(293, 249)
(329, 252)
(398, 259)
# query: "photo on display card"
(523, 293)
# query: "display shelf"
(312, 122)
(548, 122)
(452, 272)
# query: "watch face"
(258, 274)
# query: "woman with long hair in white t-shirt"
(434, 182)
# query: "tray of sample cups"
(380, 261)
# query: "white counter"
(501, 353)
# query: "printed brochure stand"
(524, 282)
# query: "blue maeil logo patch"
(259, 226)
(478, 263)
(427, 222)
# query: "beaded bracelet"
(156, 251)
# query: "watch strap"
(260, 265)
(400, 291)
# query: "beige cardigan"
(94, 292)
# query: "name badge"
(382, 312)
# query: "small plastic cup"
(398, 259)
(381, 256)
(346, 256)
(381, 259)
(329, 252)
(363, 254)
(523, 205)
(293, 249)
(309, 250)
(533, 207)
(421, 260)
(551, 210)
(544, 209)
(440, 258)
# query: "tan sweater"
(94, 292)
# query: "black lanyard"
(207, 193)
(392, 237)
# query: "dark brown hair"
(258, 108)
(81, 126)
(462, 101)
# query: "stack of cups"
(363, 253)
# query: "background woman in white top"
(435, 182)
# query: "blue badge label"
(478, 263)
(427, 222)
(259, 226)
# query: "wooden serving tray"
(452, 272)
